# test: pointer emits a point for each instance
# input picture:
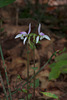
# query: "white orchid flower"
(23, 35)
(41, 35)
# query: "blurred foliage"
(50, 95)
(5, 2)
(55, 19)
(59, 66)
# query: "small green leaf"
(60, 51)
(24, 90)
(19, 77)
(50, 95)
(34, 68)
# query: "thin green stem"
(3, 86)
(41, 68)
(34, 71)
(27, 71)
(5, 73)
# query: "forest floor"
(54, 25)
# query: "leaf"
(57, 69)
(52, 65)
(34, 68)
(24, 90)
(5, 2)
(19, 77)
(50, 95)
(61, 57)
(55, 72)
(64, 69)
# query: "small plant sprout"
(41, 35)
(24, 35)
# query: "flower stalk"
(34, 70)
(27, 71)
(36, 39)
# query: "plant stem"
(27, 71)
(34, 71)
(3, 86)
(41, 68)
(5, 73)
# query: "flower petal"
(41, 33)
(24, 40)
(39, 28)
(29, 28)
(37, 39)
(23, 33)
(45, 36)
(17, 36)
(22, 37)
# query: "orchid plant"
(27, 37)
(24, 35)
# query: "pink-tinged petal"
(41, 33)
(29, 28)
(24, 40)
(39, 28)
(23, 33)
(45, 36)
(17, 36)
(37, 39)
